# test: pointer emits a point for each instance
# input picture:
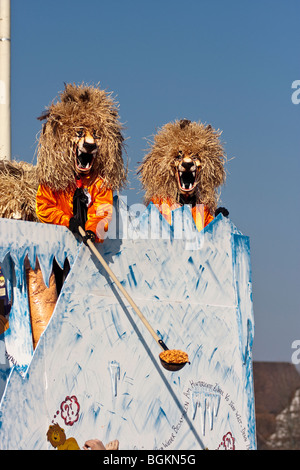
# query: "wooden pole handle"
(121, 288)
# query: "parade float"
(155, 284)
(96, 370)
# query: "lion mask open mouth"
(187, 171)
(85, 151)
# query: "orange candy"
(174, 356)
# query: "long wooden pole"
(124, 292)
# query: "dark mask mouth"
(84, 160)
(187, 180)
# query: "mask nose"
(89, 147)
(187, 164)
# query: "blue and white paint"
(195, 291)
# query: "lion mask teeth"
(84, 160)
(187, 180)
(187, 173)
(86, 151)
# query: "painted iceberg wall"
(96, 371)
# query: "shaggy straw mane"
(157, 171)
(18, 187)
(91, 108)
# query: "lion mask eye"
(179, 156)
(79, 133)
(96, 135)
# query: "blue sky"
(230, 63)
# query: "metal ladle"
(171, 366)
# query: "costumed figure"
(80, 161)
(185, 165)
(18, 187)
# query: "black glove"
(223, 211)
(89, 235)
(74, 224)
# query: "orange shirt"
(56, 207)
(200, 213)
